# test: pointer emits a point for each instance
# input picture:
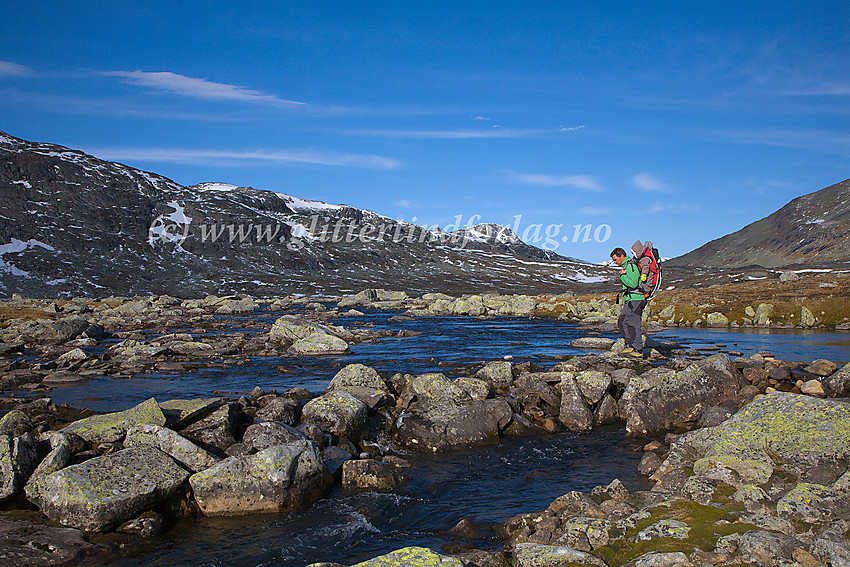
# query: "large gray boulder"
(838, 384)
(319, 343)
(448, 424)
(261, 436)
(217, 431)
(18, 459)
(794, 433)
(290, 328)
(16, 423)
(181, 413)
(539, 555)
(661, 399)
(103, 492)
(278, 479)
(338, 412)
(575, 413)
(172, 444)
(498, 374)
(412, 557)
(112, 427)
(357, 375)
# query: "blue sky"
(677, 122)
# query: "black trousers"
(629, 323)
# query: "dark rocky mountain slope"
(72, 224)
(812, 229)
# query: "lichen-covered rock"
(281, 478)
(767, 548)
(111, 427)
(283, 410)
(24, 542)
(477, 389)
(593, 384)
(497, 373)
(594, 529)
(802, 433)
(181, 413)
(290, 328)
(661, 398)
(664, 528)
(103, 492)
(574, 414)
(319, 343)
(172, 444)
(358, 375)
(411, 557)
(18, 458)
(217, 431)
(261, 436)
(15, 423)
(434, 388)
(661, 559)
(599, 343)
(839, 383)
(813, 503)
(821, 367)
(338, 412)
(368, 474)
(538, 555)
(446, 424)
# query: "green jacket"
(631, 280)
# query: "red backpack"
(649, 263)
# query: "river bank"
(363, 413)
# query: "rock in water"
(111, 427)
(103, 492)
(412, 557)
(278, 479)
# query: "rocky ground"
(749, 455)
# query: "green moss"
(723, 493)
(702, 519)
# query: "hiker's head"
(618, 255)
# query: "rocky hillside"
(72, 224)
(812, 229)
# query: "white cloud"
(9, 69)
(198, 88)
(232, 158)
(494, 132)
(586, 182)
(650, 183)
(674, 208)
(407, 204)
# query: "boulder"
(111, 427)
(24, 542)
(446, 424)
(593, 385)
(839, 383)
(261, 436)
(574, 414)
(290, 328)
(278, 479)
(411, 557)
(807, 318)
(319, 343)
(368, 474)
(716, 319)
(18, 459)
(661, 399)
(821, 367)
(172, 444)
(15, 423)
(761, 316)
(357, 375)
(598, 343)
(338, 412)
(217, 431)
(57, 332)
(101, 493)
(181, 413)
(539, 555)
(475, 388)
(791, 432)
(229, 306)
(497, 373)
(283, 410)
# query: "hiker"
(634, 302)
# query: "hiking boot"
(627, 350)
(635, 354)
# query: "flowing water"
(487, 485)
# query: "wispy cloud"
(229, 158)
(586, 182)
(9, 69)
(674, 208)
(407, 204)
(650, 184)
(462, 134)
(197, 88)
